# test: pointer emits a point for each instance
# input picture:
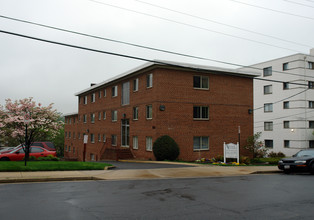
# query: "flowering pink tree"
(43, 120)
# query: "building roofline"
(70, 114)
(279, 58)
(176, 65)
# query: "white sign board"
(27, 118)
(85, 138)
(231, 151)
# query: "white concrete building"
(284, 112)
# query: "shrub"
(245, 160)
(271, 160)
(219, 158)
(165, 148)
(274, 154)
(48, 158)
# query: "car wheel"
(4, 159)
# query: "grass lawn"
(50, 166)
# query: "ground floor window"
(92, 157)
(269, 143)
(311, 144)
(135, 142)
(114, 140)
(149, 143)
(286, 143)
(201, 143)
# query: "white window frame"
(135, 85)
(268, 126)
(125, 95)
(99, 116)
(149, 144)
(114, 115)
(84, 118)
(99, 138)
(268, 89)
(104, 138)
(201, 113)
(92, 117)
(93, 97)
(114, 140)
(85, 100)
(149, 80)
(92, 138)
(286, 124)
(267, 71)
(201, 145)
(149, 112)
(114, 91)
(268, 107)
(286, 105)
(135, 142)
(105, 92)
(204, 86)
(104, 115)
(135, 113)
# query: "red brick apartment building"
(200, 107)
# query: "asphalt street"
(275, 196)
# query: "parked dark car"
(302, 161)
(45, 144)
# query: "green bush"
(274, 154)
(48, 158)
(219, 158)
(245, 160)
(270, 160)
(165, 148)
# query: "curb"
(49, 179)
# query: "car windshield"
(305, 153)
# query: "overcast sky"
(227, 30)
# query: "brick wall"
(228, 99)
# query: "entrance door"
(125, 132)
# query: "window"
(125, 132)
(286, 124)
(84, 118)
(93, 96)
(201, 82)
(135, 142)
(268, 126)
(99, 116)
(135, 85)
(104, 114)
(114, 115)
(36, 150)
(135, 113)
(269, 143)
(79, 135)
(311, 144)
(268, 89)
(311, 65)
(149, 80)
(99, 138)
(311, 85)
(201, 143)
(69, 134)
(286, 105)
(92, 157)
(285, 66)
(149, 112)
(104, 138)
(200, 112)
(114, 140)
(92, 118)
(267, 71)
(69, 148)
(268, 107)
(125, 98)
(85, 100)
(285, 85)
(99, 94)
(311, 124)
(105, 92)
(92, 138)
(286, 144)
(149, 143)
(114, 91)
(311, 104)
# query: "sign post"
(84, 149)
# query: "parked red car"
(19, 154)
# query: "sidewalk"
(112, 174)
